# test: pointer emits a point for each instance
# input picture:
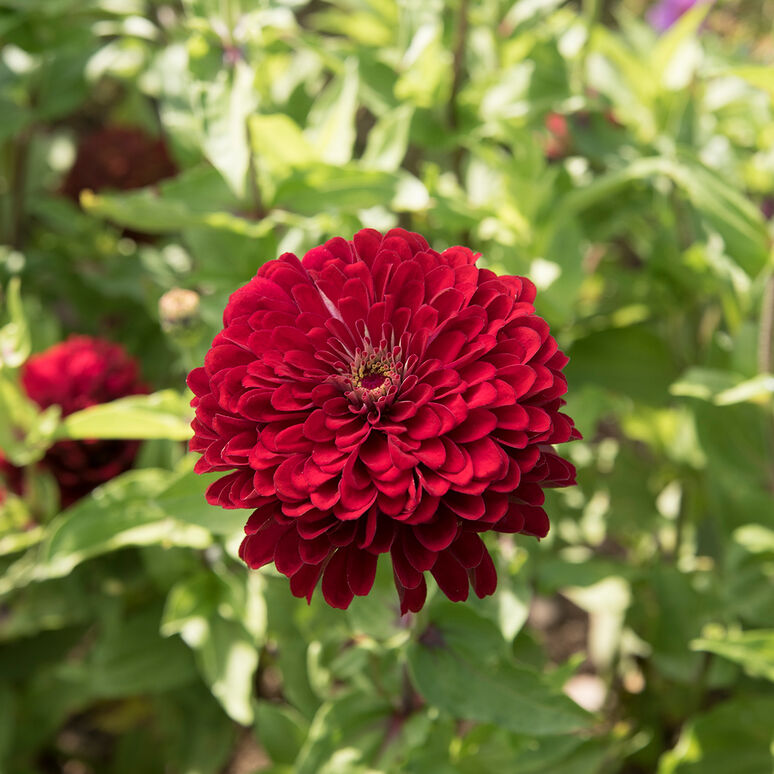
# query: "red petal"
(302, 584)
(335, 588)
(420, 557)
(258, 549)
(469, 507)
(313, 551)
(408, 575)
(286, 555)
(484, 577)
(451, 577)
(535, 521)
(468, 549)
(411, 599)
(361, 571)
(438, 533)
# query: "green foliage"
(639, 636)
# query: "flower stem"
(766, 328)
(458, 69)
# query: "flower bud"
(179, 315)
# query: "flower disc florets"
(378, 396)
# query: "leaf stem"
(458, 70)
(18, 183)
(766, 328)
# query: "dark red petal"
(408, 575)
(438, 533)
(513, 521)
(451, 577)
(258, 549)
(335, 587)
(420, 557)
(469, 507)
(361, 571)
(286, 554)
(535, 521)
(259, 517)
(314, 550)
(484, 577)
(303, 583)
(411, 600)
(468, 549)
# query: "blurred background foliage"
(629, 172)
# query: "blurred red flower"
(75, 374)
(380, 396)
(118, 158)
(10, 478)
(558, 142)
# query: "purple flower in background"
(665, 13)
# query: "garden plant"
(386, 386)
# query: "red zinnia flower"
(118, 158)
(379, 396)
(74, 375)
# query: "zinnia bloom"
(74, 375)
(378, 396)
(118, 158)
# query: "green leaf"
(46, 607)
(132, 658)
(758, 76)
(599, 359)
(164, 414)
(731, 737)
(226, 655)
(725, 209)
(356, 723)
(452, 666)
(224, 107)
(755, 538)
(198, 197)
(294, 150)
(123, 512)
(759, 389)
(228, 659)
(7, 707)
(340, 189)
(331, 128)
(704, 383)
(26, 432)
(185, 499)
(388, 140)
(15, 334)
(280, 730)
(753, 650)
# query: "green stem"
(458, 74)
(18, 186)
(766, 328)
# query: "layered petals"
(82, 372)
(376, 397)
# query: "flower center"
(373, 374)
(372, 381)
(371, 377)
